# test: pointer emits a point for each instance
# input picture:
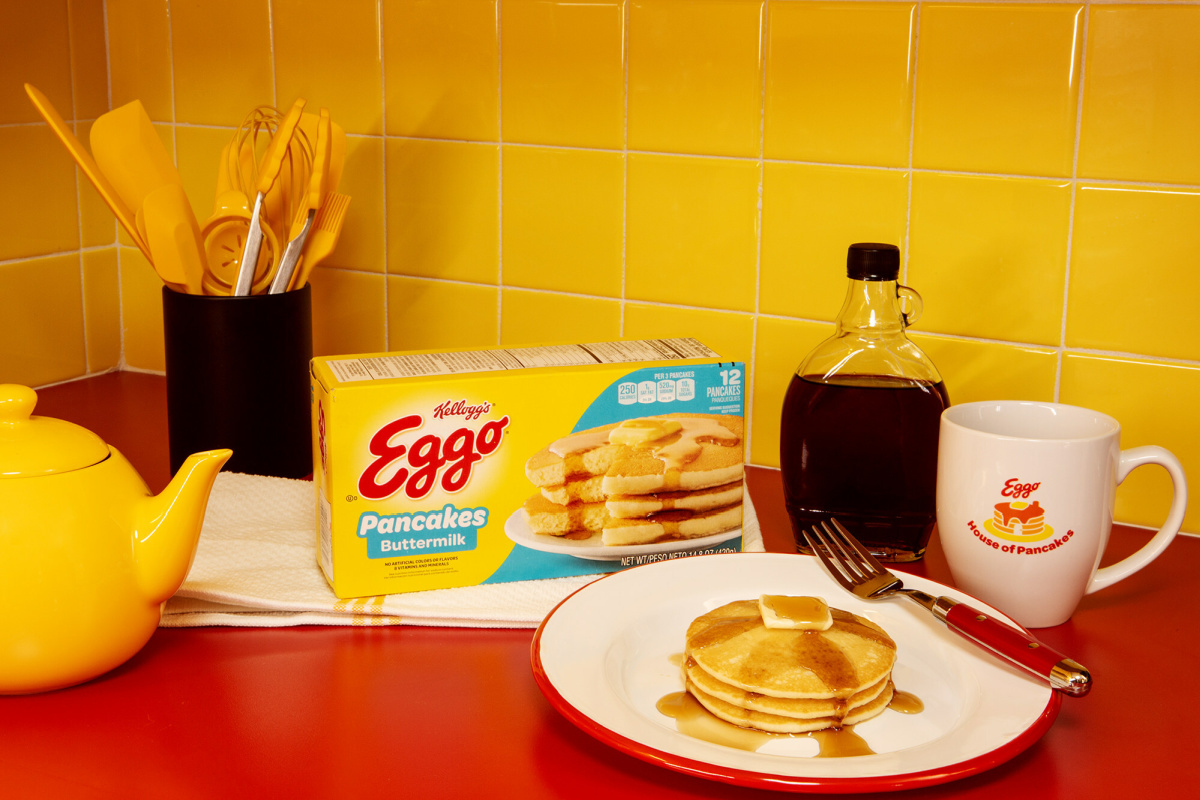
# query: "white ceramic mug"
(1025, 495)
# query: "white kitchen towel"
(256, 565)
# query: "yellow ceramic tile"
(997, 88)
(1141, 101)
(443, 209)
(38, 201)
(141, 312)
(1128, 291)
(692, 235)
(198, 156)
(89, 57)
(441, 68)
(97, 225)
(1156, 405)
(839, 82)
(428, 315)
(555, 235)
(695, 80)
(811, 214)
(563, 72)
(361, 243)
(528, 318)
(989, 255)
(36, 49)
(349, 312)
(331, 59)
(41, 321)
(102, 309)
(221, 60)
(139, 56)
(780, 345)
(973, 370)
(730, 334)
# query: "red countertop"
(427, 712)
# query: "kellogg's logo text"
(461, 408)
(430, 460)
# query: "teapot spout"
(167, 526)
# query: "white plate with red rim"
(608, 653)
(517, 528)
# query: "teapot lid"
(31, 446)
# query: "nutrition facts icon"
(664, 390)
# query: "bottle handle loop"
(909, 297)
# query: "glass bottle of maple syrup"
(859, 435)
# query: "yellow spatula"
(328, 227)
(268, 171)
(133, 158)
(174, 238)
(124, 214)
(315, 197)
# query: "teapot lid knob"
(31, 445)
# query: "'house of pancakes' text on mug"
(1025, 495)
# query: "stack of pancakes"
(650, 479)
(788, 680)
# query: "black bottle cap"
(868, 261)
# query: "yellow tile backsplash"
(997, 87)
(1141, 100)
(547, 220)
(529, 170)
(859, 109)
(563, 73)
(976, 283)
(692, 230)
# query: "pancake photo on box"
(671, 481)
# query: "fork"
(856, 570)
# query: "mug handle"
(1130, 460)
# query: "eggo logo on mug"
(1014, 488)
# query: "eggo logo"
(433, 460)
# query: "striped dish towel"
(256, 565)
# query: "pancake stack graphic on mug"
(644, 480)
(1018, 521)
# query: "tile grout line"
(914, 26)
(764, 38)
(625, 27)
(383, 171)
(83, 310)
(1081, 43)
(499, 173)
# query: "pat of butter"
(634, 432)
(795, 613)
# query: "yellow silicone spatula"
(132, 156)
(315, 197)
(174, 238)
(267, 172)
(328, 227)
(124, 214)
(337, 146)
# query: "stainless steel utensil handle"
(291, 255)
(254, 238)
(1015, 646)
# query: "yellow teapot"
(88, 555)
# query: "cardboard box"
(420, 458)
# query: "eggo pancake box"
(464, 467)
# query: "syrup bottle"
(859, 435)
